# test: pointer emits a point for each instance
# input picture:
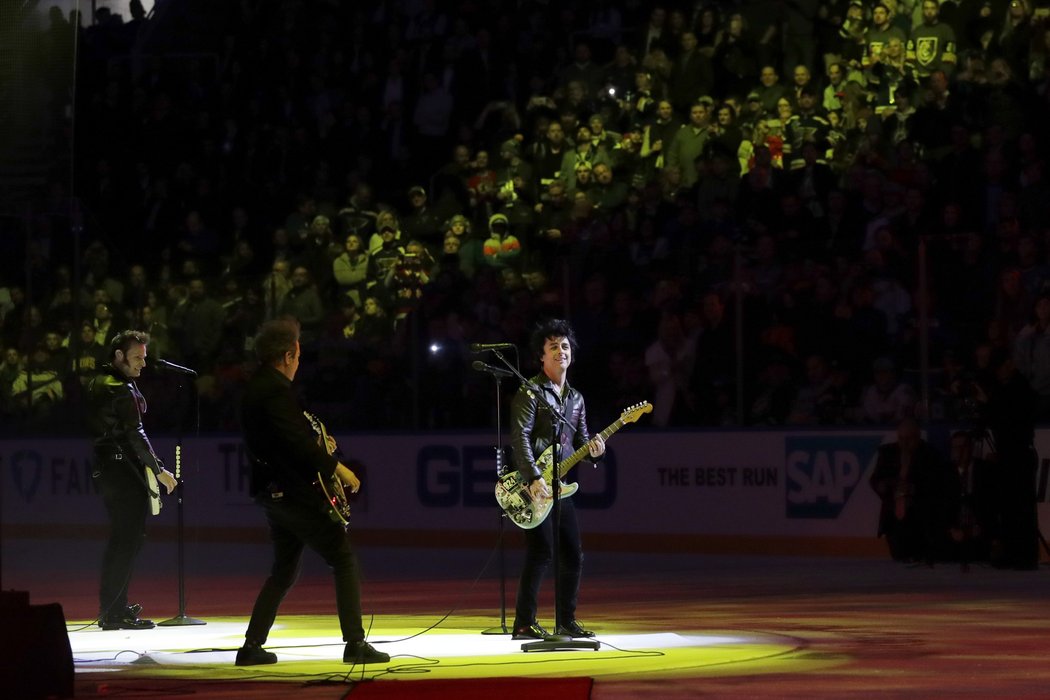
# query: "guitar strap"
(117, 454)
(139, 472)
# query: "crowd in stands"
(746, 209)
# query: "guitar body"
(334, 495)
(153, 489)
(512, 493)
(330, 488)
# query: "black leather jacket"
(115, 408)
(531, 430)
(282, 447)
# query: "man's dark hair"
(551, 328)
(125, 339)
(275, 338)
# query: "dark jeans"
(127, 504)
(294, 526)
(1019, 517)
(915, 537)
(538, 556)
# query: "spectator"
(609, 194)
(770, 89)
(969, 499)
(275, 286)
(887, 400)
(879, 33)
(669, 360)
(735, 57)
(688, 144)
(1008, 409)
(196, 325)
(9, 371)
(582, 70)
(502, 248)
(303, 303)
(90, 355)
(931, 46)
(350, 269)
(692, 76)
(910, 479)
(1032, 354)
(819, 401)
(374, 327)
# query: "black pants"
(538, 555)
(293, 526)
(127, 504)
(1019, 517)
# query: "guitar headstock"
(633, 413)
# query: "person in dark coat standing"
(287, 457)
(909, 479)
(1008, 409)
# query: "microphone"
(483, 347)
(494, 371)
(172, 367)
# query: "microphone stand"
(182, 619)
(502, 629)
(553, 642)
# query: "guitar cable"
(423, 631)
(458, 603)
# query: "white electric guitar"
(512, 492)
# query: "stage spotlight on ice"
(435, 348)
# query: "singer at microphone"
(494, 371)
(553, 343)
(484, 347)
(172, 367)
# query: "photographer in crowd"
(1008, 409)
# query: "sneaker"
(533, 631)
(252, 655)
(363, 653)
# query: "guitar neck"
(322, 432)
(584, 451)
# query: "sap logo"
(823, 471)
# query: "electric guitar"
(330, 487)
(512, 493)
(153, 489)
(153, 486)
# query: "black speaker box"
(34, 647)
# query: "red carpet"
(476, 689)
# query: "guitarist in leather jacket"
(122, 453)
(532, 431)
(286, 458)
